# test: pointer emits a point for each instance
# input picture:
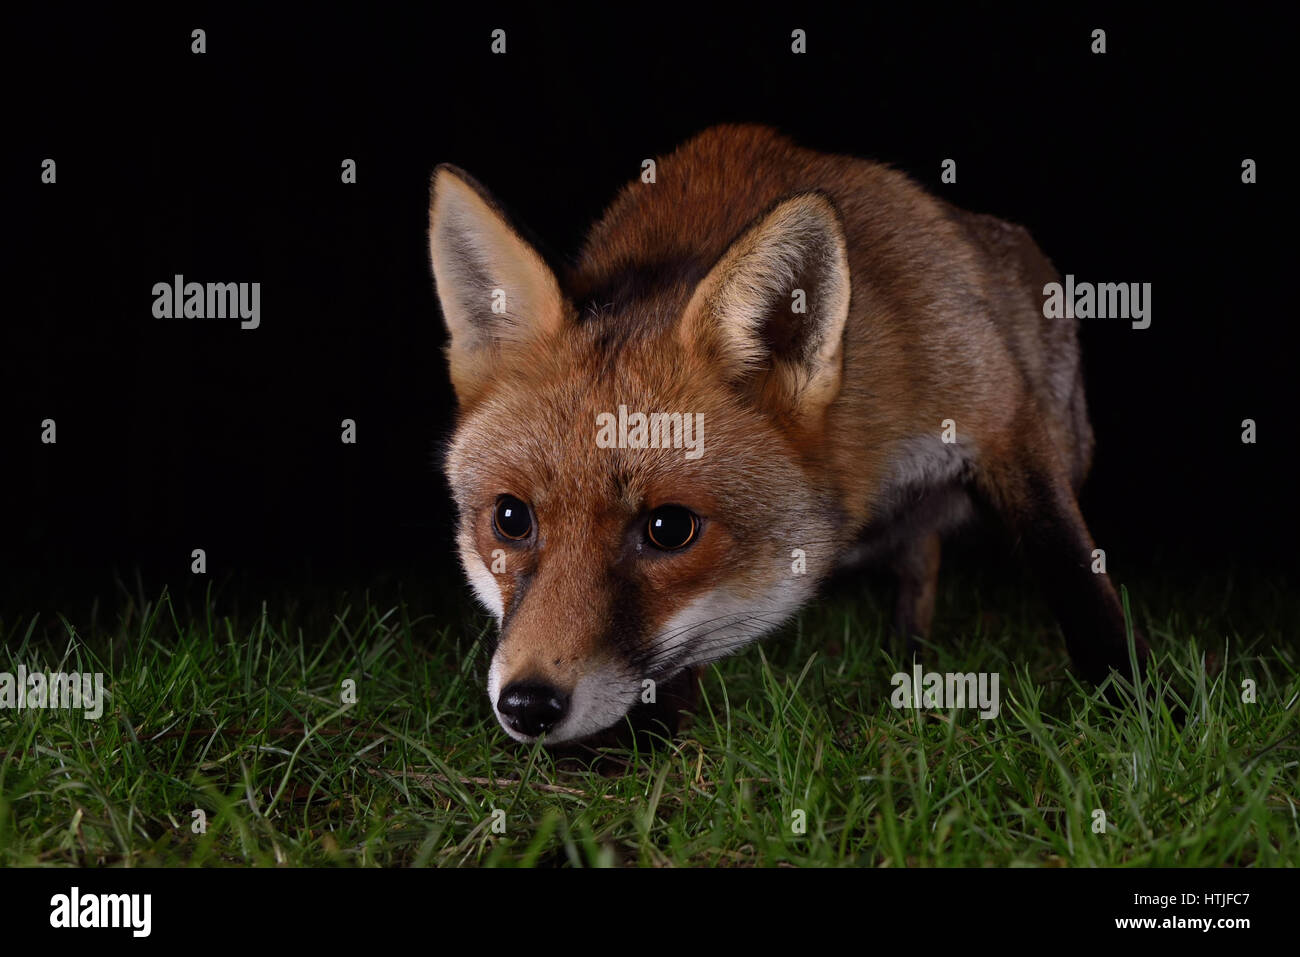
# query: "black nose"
(532, 707)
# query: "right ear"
(498, 296)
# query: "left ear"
(478, 256)
(771, 312)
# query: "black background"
(180, 434)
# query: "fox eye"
(512, 519)
(671, 527)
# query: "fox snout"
(532, 702)
(531, 707)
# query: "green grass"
(240, 716)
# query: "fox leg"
(916, 566)
(1036, 500)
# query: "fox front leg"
(916, 570)
(1038, 504)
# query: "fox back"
(765, 363)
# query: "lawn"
(230, 738)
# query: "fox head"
(635, 457)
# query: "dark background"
(225, 167)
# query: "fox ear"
(772, 310)
(498, 296)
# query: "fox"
(867, 368)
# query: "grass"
(240, 716)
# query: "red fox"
(762, 364)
